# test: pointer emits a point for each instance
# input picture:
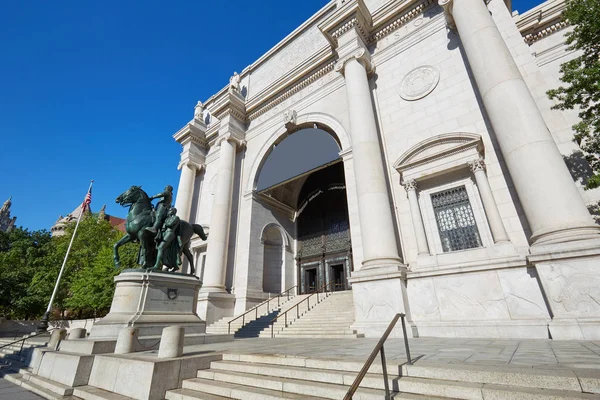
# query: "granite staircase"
(330, 318)
(254, 322)
(269, 377)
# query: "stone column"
(552, 204)
(417, 219)
(375, 214)
(192, 138)
(489, 203)
(185, 191)
(218, 240)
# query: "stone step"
(39, 390)
(323, 336)
(549, 379)
(244, 386)
(47, 384)
(187, 394)
(94, 393)
(328, 372)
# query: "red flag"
(87, 201)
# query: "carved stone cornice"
(361, 55)
(231, 103)
(405, 17)
(352, 15)
(541, 21)
(194, 132)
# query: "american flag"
(87, 200)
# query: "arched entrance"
(307, 201)
(324, 245)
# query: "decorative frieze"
(316, 77)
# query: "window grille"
(455, 219)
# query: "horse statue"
(141, 216)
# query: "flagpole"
(43, 325)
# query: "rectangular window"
(455, 220)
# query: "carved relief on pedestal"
(419, 82)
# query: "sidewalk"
(10, 391)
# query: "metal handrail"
(379, 348)
(27, 338)
(307, 299)
(255, 309)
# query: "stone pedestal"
(214, 306)
(151, 301)
(568, 273)
(379, 294)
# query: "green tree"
(30, 263)
(582, 78)
(22, 255)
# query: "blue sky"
(95, 90)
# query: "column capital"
(410, 185)
(447, 6)
(361, 55)
(239, 143)
(194, 166)
(476, 165)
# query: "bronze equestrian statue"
(172, 234)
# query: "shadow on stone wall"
(578, 167)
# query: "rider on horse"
(162, 208)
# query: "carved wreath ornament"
(419, 82)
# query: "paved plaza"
(10, 391)
(567, 354)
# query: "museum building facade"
(452, 199)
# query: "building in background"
(58, 229)
(6, 222)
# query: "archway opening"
(301, 190)
(295, 154)
(273, 257)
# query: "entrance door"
(337, 276)
(310, 280)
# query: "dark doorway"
(338, 278)
(310, 280)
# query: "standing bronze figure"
(140, 218)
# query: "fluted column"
(185, 190)
(489, 203)
(375, 214)
(552, 204)
(218, 240)
(417, 219)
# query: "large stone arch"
(324, 121)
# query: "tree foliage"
(582, 78)
(30, 263)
